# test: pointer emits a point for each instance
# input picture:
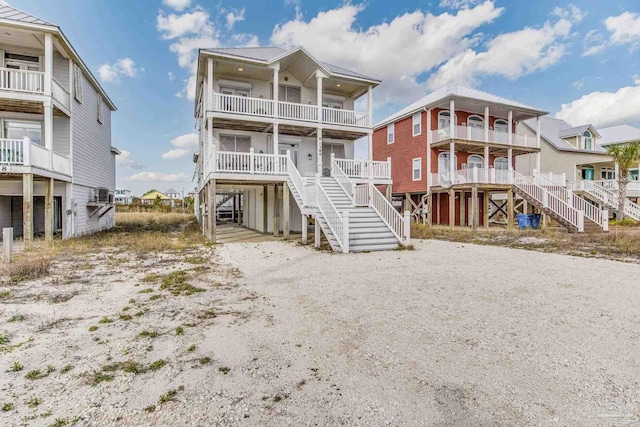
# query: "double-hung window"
(390, 133)
(417, 169)
(77, 83)
(417, 124)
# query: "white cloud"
(173, 26)
(175, 154)
(510, 55)
(594, 43)
(171, 76)
(189, 141)
(178, 5)
(571, 13)
(124, 160)
(459, 4)
(233, 17)
(110, 73)
(624, 28)
(158, 177)
(604, 108)
(397, 52)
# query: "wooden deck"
(233, 233)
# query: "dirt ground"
(279, 334)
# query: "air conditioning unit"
(101, 195)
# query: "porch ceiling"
(304, 131)
(27, 107)
(478, 148)
(477, 107)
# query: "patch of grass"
(62, 422)
(225, 370)
(149, 334)
(150, 408)
(93, 328)
(4, 339)
(191, 348)
(149, 278)
(404, 248)
(128, 366)
(146, 291)
(168, 397)
(179, 330)
(33, 402)
(5, 294)
(125, 317)
(155, 297)
(85, 266)
(34, 375)
(105, 320)
(28, 266)
(17, 366)
(132, 301)
(127, 308)
(157, 365)
(177, 284)
(6, 407)
(140, 313)
(66, 369)
(17, 318)
(196, 259)
(206, 314)
(205, 360)
(99, 377)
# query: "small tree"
(157, 203)
(626, 156)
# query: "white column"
(510, 158)
(276, 89)
(210, 83)
(370, 105)
(48, 129)
(538, 154)
(319, 78)
(276, 134)
(452, 117)
(48, 63)
(510, 124)
(370, 144)
(486, 127)
(319, 152)
(428, 140)
(304, 230)
(452, 160)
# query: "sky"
(579, 60)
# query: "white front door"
(294, 148)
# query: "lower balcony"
(471, 176)
(15, 154)
(474, 134)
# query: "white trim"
(417, 115)
(391, 133)
(413, 169)
(475, 116)
(233, 84)
(447, 112)
(506, 162)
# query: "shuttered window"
(77, 83)
(100, 109)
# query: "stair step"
(373, 248)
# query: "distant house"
(123, 197)
(150, 196)
(173, 194)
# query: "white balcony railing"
(61, 94)
(24, 152)
(21, 81)
(472, 176)
(287, 110)
(249, 163)
(470, 133)
(365, 169)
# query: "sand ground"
(447, 334)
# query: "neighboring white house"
(56, 158)
(175, 195)
(271, 122)
(123, 197)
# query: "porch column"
(510, 158)
(48, 210)
(452, 209)
(210, 83)
(317, 233)
(486, 127)
(304, 230)
(487, 162)
(276, 137)
(510, 124)
(474, 208)
(388, 191)
(48, 130)
(452, 161)
(48, 63)
(428, 141)
(210, 143)
(485, 211)
(319, 77)
(276, 90)
(286, 211)
(276, 213)
(430, 209)
(27, 208)
(538, 143)
(319, 152)
(510, 208)
(452, 118)
(616, 168)
(463, 209)
(211, 201)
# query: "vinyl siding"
(5, 212)
(61, 140)
(61, 69)
(84, 224)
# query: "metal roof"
(171, 191)
(455, 90)
(550, 131)
(271, 53)
(10, 12)
(579, 130)
(618, 134)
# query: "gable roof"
(272, 54)
(618, 134)
(550, 130)
(170, 191)
(579, 130)
(454, 90)
(153, 194)
(11, 16)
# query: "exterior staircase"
(224, 199)
(599, 194)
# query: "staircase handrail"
(591, 211)
(337, 222)
(296, 178)
(549, 201)
(398, 224)
(342, 178)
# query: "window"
(100, 109)
(77, 83)
(501, 163)
(587, 172)
(501, 125)
(14, 129)
(289, 94)
(634, 174)
(587, 140)
(607, 173)
(235, 91)
(390, 131)
(417, 169)
(475, 122)
(235, 143)
(475, 161)
(444, 120)
(21, 62)
(417, 124)
(443, 162)
(333, 104)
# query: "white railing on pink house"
(365, 169)
(470, 133)
(471, 176)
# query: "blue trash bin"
(523, 221)
(535, 220)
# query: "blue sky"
(578, 60)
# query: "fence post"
(580, 221)
(7, 244)
(407, 228)
(605, 220)
(251, 158)
(345, 241)
(388, 172)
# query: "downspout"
(427, 164)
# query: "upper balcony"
(481, 135)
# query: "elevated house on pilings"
(454, 153)
(57, 165)
(277, 131)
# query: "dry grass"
(619, 243)
(29, 265)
